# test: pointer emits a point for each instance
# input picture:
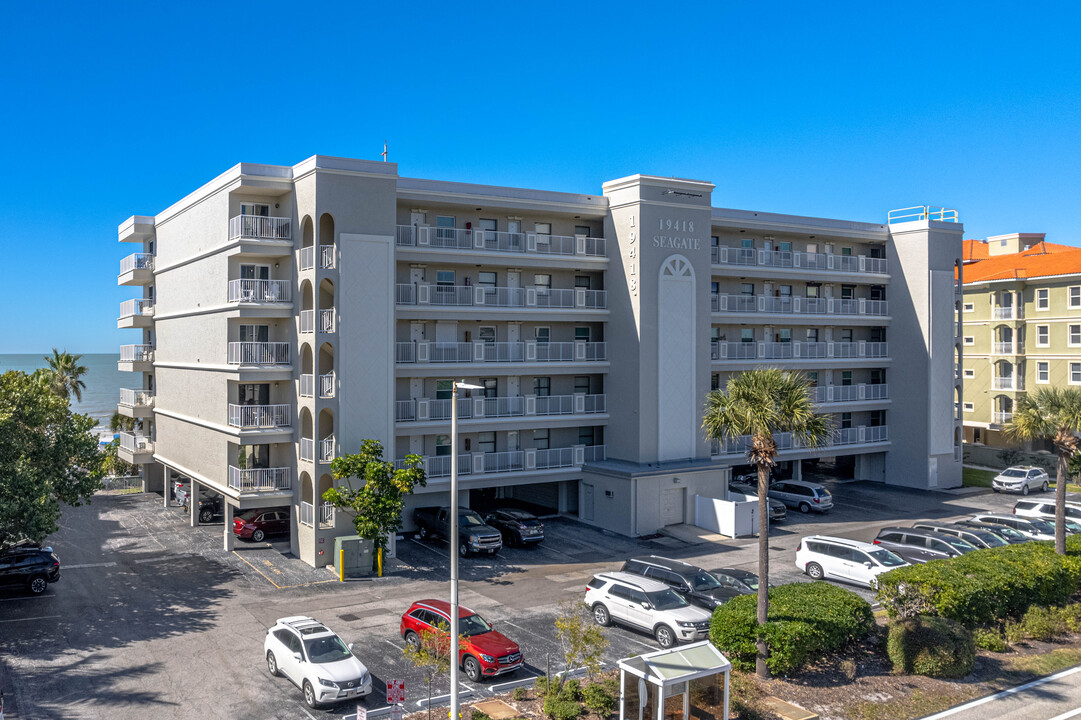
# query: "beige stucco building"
(287, 313)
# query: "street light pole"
(454, 710)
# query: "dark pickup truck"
(473, 535)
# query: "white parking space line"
(306, 712)
(424, 703)
(429, 547)
(42, 617)
(162, 558)
(28, 597)
(535, 634)
(636, 641)
(89, 565)
(1072, 713)
(503, 687)
(1003, 694)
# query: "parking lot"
(152, 616)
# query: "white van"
(853, 561)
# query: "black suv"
(697, 586)
(30, 565)
(210, 506)
(919, 546)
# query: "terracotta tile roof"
(1043, 248)
(974, 250)
(1041, 260)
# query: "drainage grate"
(349, 618)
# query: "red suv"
(257, 524)
(482, 651)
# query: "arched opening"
(326, 306)
(325, 483)
(325, 447)
(306, 487)
(306, 296)
(307, 232)
(1002, 409)
(307, 359)
(326, 358)
(307, 436)
(326, 230)
(306, 427)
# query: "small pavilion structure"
(668, 681)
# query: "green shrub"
(806, 620)
(480, 715)
(599, 699)
(571, 690)
(559, 709)
(932, 646)
(1013, 632)
(541, 687)
(1043, 624)
(981, 588)
(989, 640)
(519, 693)
(1071, 615)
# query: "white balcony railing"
(440, 409)
(136, 398)
(132, 308)
(555, 458)
(1008, 348)
(307, 449)
(554, 404)
(136, 353)
(555, 352)
(255, 227)
(849, 393)
(483, 352)
(596, 453)
(310, 514)
(136, 261)
(798, 260)
(506, 461)
(258, 353)
(548, 298)
(135, 443)
(326, 385)
(511, 461)
(786, 304)
(307, 385)
(327, 449)
(259, 479)
(438, 466)
(321, 320)
(809, 350)
(260, 291)
(785, 441)
(255, 417)
(499, 241)
(497, 407)
(491, 296)
(1008, 313)
(308, 256)
(595, 404)
(1001, 418)
(1007, 383)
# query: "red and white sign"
(395, 692)
(395, 712)
(362, 712)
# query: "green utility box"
(353, 556)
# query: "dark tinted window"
(938, 546)
(815, 547)
(638, 596)
(596, 583)
(1025, 505)
(894, 537)
(620, 591)
(633, 566)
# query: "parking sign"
(395, 692)
(362, 712)
(395, 712)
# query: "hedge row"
(931, 646)
(986, 586)
(805, 620)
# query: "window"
(714, 334)
(540, 439)
(877, 418)
(442, 445)
(784, 335)
(878, 334)
(444, 389)
(1075, 335)
(586, 436)
(969, 340)
(746, 242)
(486, 442)
(491, 387)
(746, 288)
(846, 335)
(542, 229)
(581, 384)
(444, 277)
(581, 281)
(1043, 301)
(970, 373)
(1075, 296)
(542, 386)
(846, 420)
(812, 291)
(254, 333)
(1075, 373)
(969, 307)
(785, 290)
(846, 377)
(487, 225)
(444, 228)
(257, 209)
(486, 279)
(1043, 335)
(581, 334)
(543, 334)
(1043, 372)
(715, 381)
(714, 288)
(878, 376)
(486, 334)
(848, 292)
(812, 335)
(543, 283)
(877, 292)
(746, 335)
(846, 251)
(812, 378)
(968, 407)
(581, 230)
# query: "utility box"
(353, 556)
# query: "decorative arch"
(677, 325)
(326, 229)
(307, 232)
(306, 487)
(677, 266)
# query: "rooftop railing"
(922, 212)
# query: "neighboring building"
(290, 312)
(1021, 326)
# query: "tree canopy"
(48, 456)
(67, 374)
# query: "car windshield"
(666, 600)
(469, 518)
(958, 544)
(1042, 526)
(1014, 473)
(991, 539)
(326, 649)
(472, 625)
(704, 582)
(1008, 532)
(750, 581)
(886, 558)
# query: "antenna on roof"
(384, 151)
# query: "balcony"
(1007, 348)
(518, 461)
(135, 449)
(136, 314)
(1008, 383)
(259, 353)
(324, 449)
(517, 352)
(307, 449)
(492, 241)
(317, 320)
(324, 253)
(136, 403)
(255, 227)
(788, 305)
(824, 394)
(260, 292)
(260, 417)
(499, 297)
(325, 382)
(727, 351)
(785, 442)
(137, 269)
(799, 260)
(1001, 418)
(429, 410)
(136, 358)
(1008, 313)
(327, 449)
(322, 513)
(260, 479)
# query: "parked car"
(752, 478)
(181, 490)
(1032, 528)
(918, 545)
(973, 536)
(482, 650)
(474, 536)
(1022, 479)
(211, 505)
(517, 527)
(837, 558)
(316, 660)
(695, 585)
(804, 496)
(1045, 509)
(1007, 534)
(29, 565)
(647, 605)
(742, 577)
(777, 510)
(257, 524)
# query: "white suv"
(1045, 510)
(648, 605)
(316, 660)
(842, 559)
(1021, 479)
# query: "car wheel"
(37, 584)
(206, 516)
(463, 550)
(422, 533)
(994, 490)
(272, 664)
(666, 638)
(1045, 487)
(471, 668)
(412, 640)
(1024, 489)
(309, 695)
(258, 536)
(814, 570)
(601, 615)
(804, 507)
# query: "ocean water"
(103, 383)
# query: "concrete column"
(797, 469)
(166, 488)
(228, 534)
(193, 504)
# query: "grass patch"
(1043, 663)
(974, 477)
(916, 704)
(1070, 487)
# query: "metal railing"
(499, 241)
(497, 407)
(1001, 418)
(440, 409)
(309, 514)
(438, 466)
(596, 299)
(136, 398)
(555, 458)
(307, 385)
(482, 352)
(785, 441)
(307, 449)
(596, 453)
(260, 291)
(136, 353)
(135, 443)
(922, 212)
(448, 294)
(450, 352)
(258, 353)
(1008, 348)
(136, 261)
(596, 404)
(131, 308)
(596, 351)
(327, 255)
(255, 227)
(1008, 313)
(326, 385)
(548, 298)
(1007, 383)
(251, 417)
(504, 296)
(505, 461)
(555, 351)
(797, 260)
(259, 479)
(327, 449)
(849, 393)
(554, 404)
(326, 320)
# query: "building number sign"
(632, 253)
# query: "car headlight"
(686, 624)
(365, 679)
(487, 658)
(328, 683)
(717, 603)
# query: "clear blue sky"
(833, 109)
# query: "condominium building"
(1021, 327)
(288, 313)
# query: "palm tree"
(759, 403)
(121, 422)
(67, 374)
(1051, 413)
